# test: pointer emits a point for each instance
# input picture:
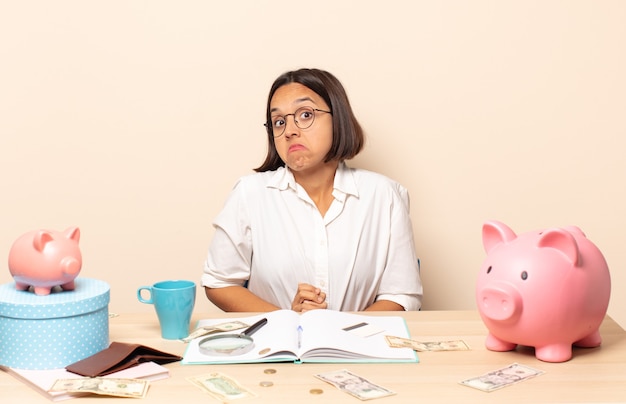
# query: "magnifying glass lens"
(226, 346)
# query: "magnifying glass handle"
(254, 327)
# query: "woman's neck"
(319, 185)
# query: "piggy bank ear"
(495, 233)
(575, 230)
(72, 233)
(40, 240)
(563, 241)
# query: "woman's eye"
(278, 122)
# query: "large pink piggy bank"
(44, 259)
(545, 289)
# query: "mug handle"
(141, 299)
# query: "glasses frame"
(270, 126)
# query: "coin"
(269, 371)
(266, 384)
(316, 391)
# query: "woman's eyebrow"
(304, 99)
(298, 100)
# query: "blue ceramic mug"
(173, 302)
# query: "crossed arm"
(307, 297)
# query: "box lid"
(92, 294)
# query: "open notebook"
(315, 336)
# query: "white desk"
(593, 375)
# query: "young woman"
(306, 231)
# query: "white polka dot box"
(53, 331)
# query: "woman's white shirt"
(271, 236)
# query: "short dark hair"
(348, 138)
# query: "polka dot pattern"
(53, 331)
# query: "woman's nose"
(291, 129)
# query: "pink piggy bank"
(545, 289)
(44, 259)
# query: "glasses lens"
(304, 117)
(277, 124)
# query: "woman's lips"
(296, 147)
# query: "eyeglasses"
(303, 118)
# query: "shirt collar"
(282, 179)
(344, 183)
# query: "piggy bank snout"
(70, 266)
(500, 302)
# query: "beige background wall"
(133, 119)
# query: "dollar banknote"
(497, 379)
(354, 385)
(103, 386)
(421, 346)
(209, 329)
(221, 387)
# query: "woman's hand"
(308, 297)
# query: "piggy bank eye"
(524, 275)
(489, 269)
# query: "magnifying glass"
(230, 344)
